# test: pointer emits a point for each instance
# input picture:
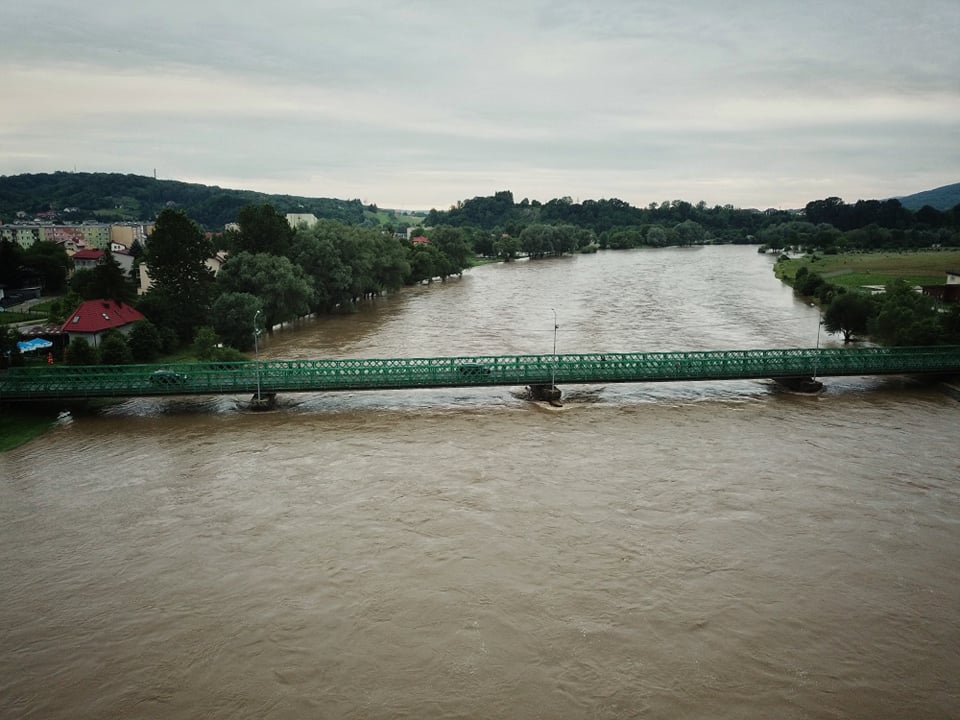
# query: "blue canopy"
(35, 344)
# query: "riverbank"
(952, 388)
(21, 426)
(855, 270)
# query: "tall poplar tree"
(182, 284)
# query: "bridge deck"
(272, 376)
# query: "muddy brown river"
(681, 550)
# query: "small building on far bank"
(307, 220)
(947, 293)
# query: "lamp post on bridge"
(256, 350)
(553, 377)
(816, 356)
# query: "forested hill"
(499, 212)
(114, 197)
(724, 223)
(941, 198)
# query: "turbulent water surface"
(687, 550)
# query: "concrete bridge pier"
(263, 401)
(550, 393)
(800, 384)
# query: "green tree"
(625, 238)
(61, 308)
(356, 252)
(205, 343)
(168, 340)
(80, 352)
(107, 280)
(176, 256)
(144, 341)
(114, 349)
(314, 250)
(426, 263)
(507, 247)
(806, 283)
(9, 352)
(689, 232)
(848, 313)
(565, 239)
(391, 266)
(484, 243)
(585, 238)
(111, 281)
(283, 288)
(951, 325)
(657, 236)
(50, 261)
(233, 314)
(262, 230)
(11, 257)
(537, 240)
(452, 242)
(906, 317)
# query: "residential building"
(216, 262)
(93, 318)
(23, 235)
(96, 235)
(126, 234)
(124, 259)
(87, 259)
(145, 282)
(305, 219)
(91, 235)
(70, 236)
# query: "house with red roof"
(420, 240)
(88, 259)
(93, 318)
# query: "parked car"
(167, 377)
(473, 369)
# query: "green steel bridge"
(268, 377)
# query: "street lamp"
(816, 356)
(553, 378)
(256, 349)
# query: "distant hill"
(941, 198)
(114, 197)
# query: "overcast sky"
(418, 104)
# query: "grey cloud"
(612, 96)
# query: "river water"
(689, 550)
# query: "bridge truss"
(274, 376)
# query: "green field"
(855, 270)
(391, 217)
(8, 317)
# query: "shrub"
(114, 349)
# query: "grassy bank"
(18, 427)
(9, 317)
(854, 270)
